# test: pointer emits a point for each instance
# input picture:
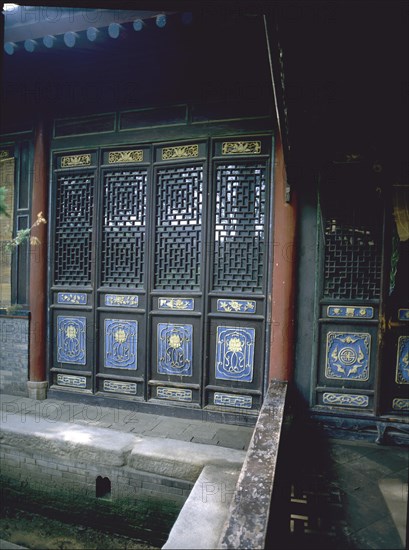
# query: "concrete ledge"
(180, 459)
(89, 444)
(64, 440)
(248, 517)
(201, 519)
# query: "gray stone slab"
(349, 479)
(360, 511)
(238, 439)
(166, 429)
(202, 428)
(348, 451)
(375, 467)
(203, 440)
(395, 493)
(86, 443)
(201, 519)
(380, 535)
(126, 420)
(176, 425)
(6, 398)
(180, 459)
(393, 458)
(66, 440)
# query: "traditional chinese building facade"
(195, 248)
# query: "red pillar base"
(37, 390)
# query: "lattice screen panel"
(239, 227)
(178, 227)
(73, 233)
(123, 232)
(352, 267)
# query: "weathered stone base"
(37, 390)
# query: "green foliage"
(24, 235)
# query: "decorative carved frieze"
(180, 152)
(241, 148)
(117, 157)
(76, 160)
(345, 399)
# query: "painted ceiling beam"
(31, 23)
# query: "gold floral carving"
(241, 148)
(76, 160)
(181, 152)
(176, 303)
(175, 341)
(115, 157)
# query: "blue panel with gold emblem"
(350, 312)
(175, 349)
(121, 300)
(121, 340)
(347, 355)
(71, 340)
(78, 298)
(402, 361)
(179, 304)
(235, 353)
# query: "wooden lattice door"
(159, 279)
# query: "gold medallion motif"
(175, 341)
(71, 332)
(235, 345)
(120, 336)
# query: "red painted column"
(37, 384)
(283, 281)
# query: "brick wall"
(13, 355)
(141, 504)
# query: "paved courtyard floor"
(346, 494)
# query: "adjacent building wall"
(13, 354)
